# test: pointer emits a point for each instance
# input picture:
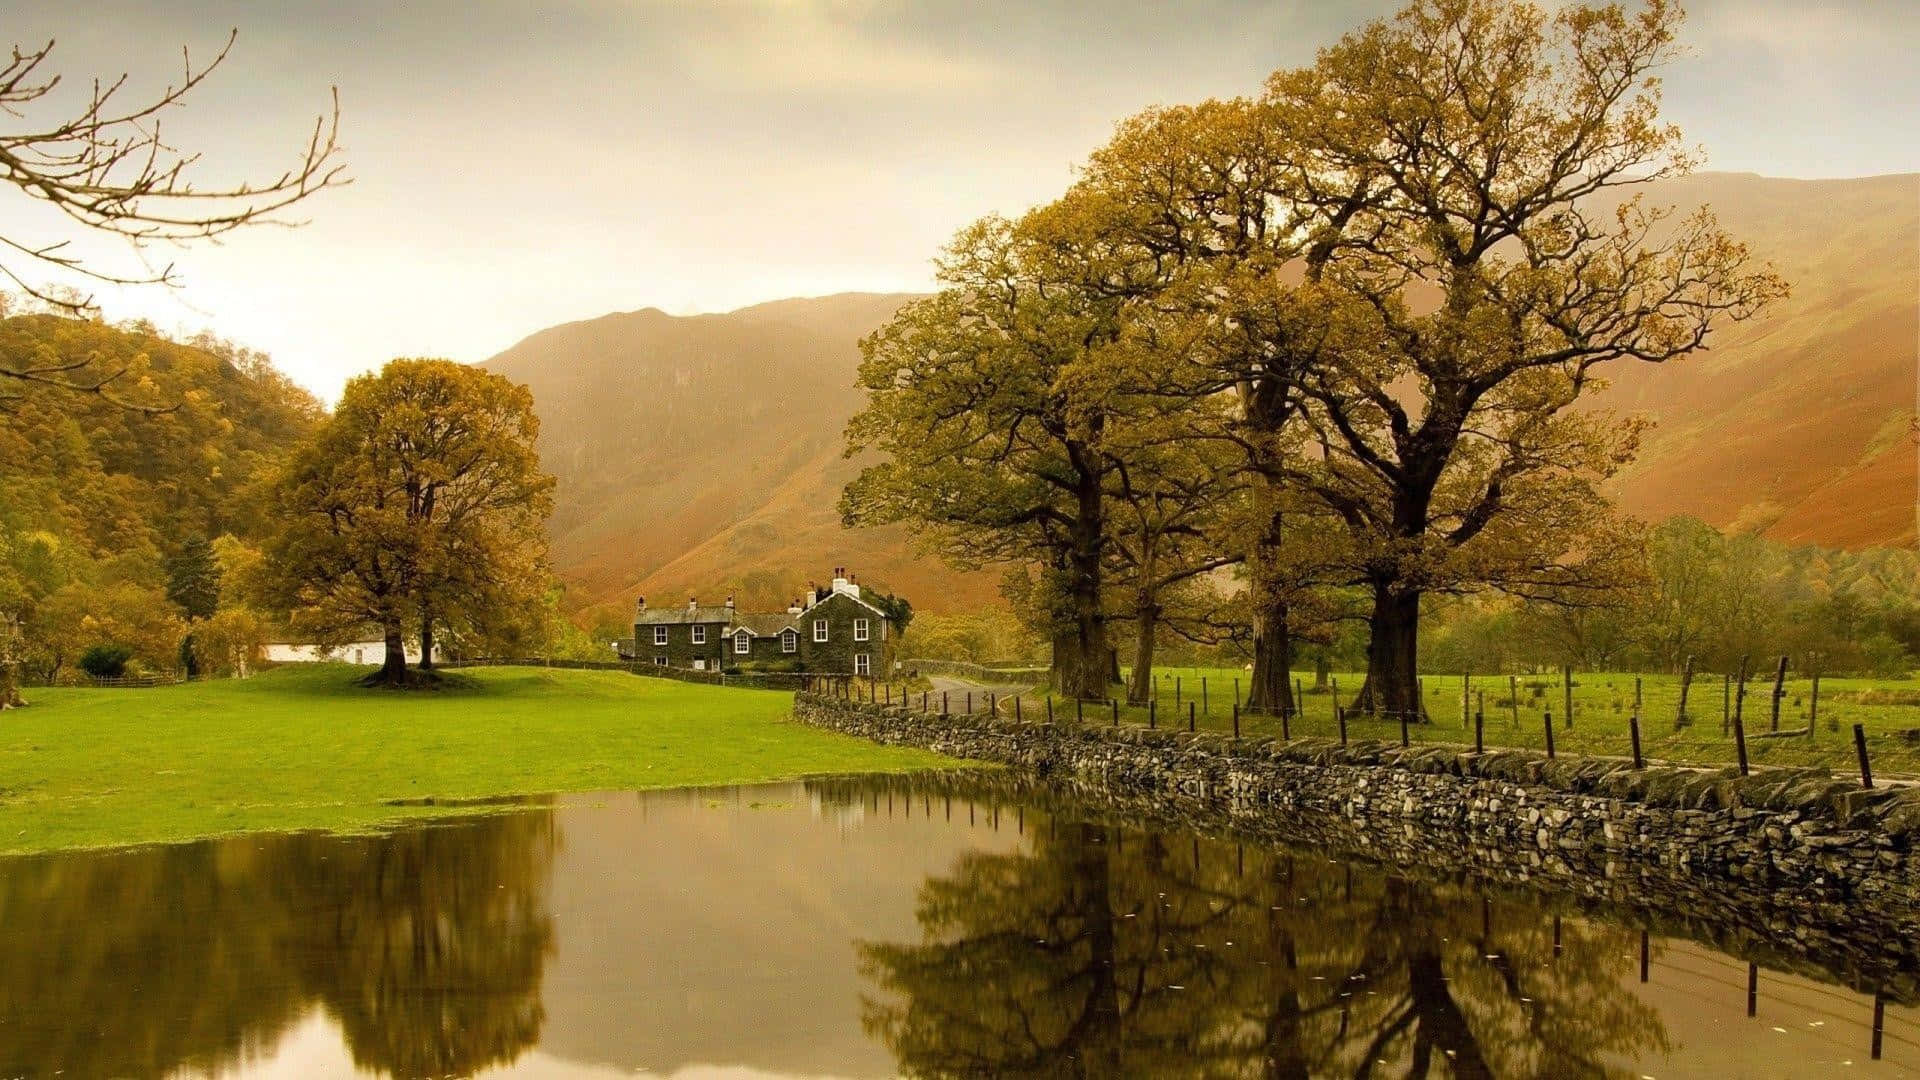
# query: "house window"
(659, 635)
(819, 629)
(699, 665)
(859, 629)
(860, 665)
(659, 661)
(789, 641)
(699, 635)
(742, 643)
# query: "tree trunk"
(426, 642)
(1146, 620)
(1393, 654)
(1082, 659)
(1272, 689)
(393, 670)
(9, 686)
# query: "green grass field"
(1602, 703)
(304, 748)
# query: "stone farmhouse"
(833, 630)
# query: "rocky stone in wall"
(1793, 853)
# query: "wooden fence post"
(1204, 710)
(1049, 708)
(1686, 681)
(1740, 737)
(1860, 748)
(1190, 720)
(1340, 715)
(1479, 732)
(1633, 727)
(1779, 691)
(1740, 693)
(1153, 713)
(1513, 699)
(1403, 728)
(1286, 727)
(1466, 697)
(1236, 721)
(1116, 712)
(1079, 712)
(1566, 690)
(1549, 723)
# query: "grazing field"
(1889, 709)
(305, 748)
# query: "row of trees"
(1337, 335)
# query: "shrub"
(106, 661)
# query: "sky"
(517, 165)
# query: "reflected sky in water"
(856, 929)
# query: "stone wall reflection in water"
(1113, 954)
(935, 926)
(426, 947)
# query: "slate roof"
(717, 613)
(767, 624)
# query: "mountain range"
(703, 455)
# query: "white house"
(354, 652)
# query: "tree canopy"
(419, 502)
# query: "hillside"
(98, 484)
(703, 453)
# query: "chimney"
(640, 604)
(692, 604)
(839, 579)
(795, 608)
(729, 603)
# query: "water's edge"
(1788, 868)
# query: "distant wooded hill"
(702, 453)
(108, 486)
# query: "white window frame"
(742, 643)
(789, 641)
(862, 629)
(699, 634)
(659, 635)
(819, 629)
(659, 661)
(699, 663)
(861, 665)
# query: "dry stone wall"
(1796, 854)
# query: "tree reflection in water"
(1097, 952)
(426, 946)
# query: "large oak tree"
(420, 501)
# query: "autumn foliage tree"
(420, 502)
(988, 448)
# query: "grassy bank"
(301, 748)
(1602, 704)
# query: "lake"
(868, 928)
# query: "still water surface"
(856, 929)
